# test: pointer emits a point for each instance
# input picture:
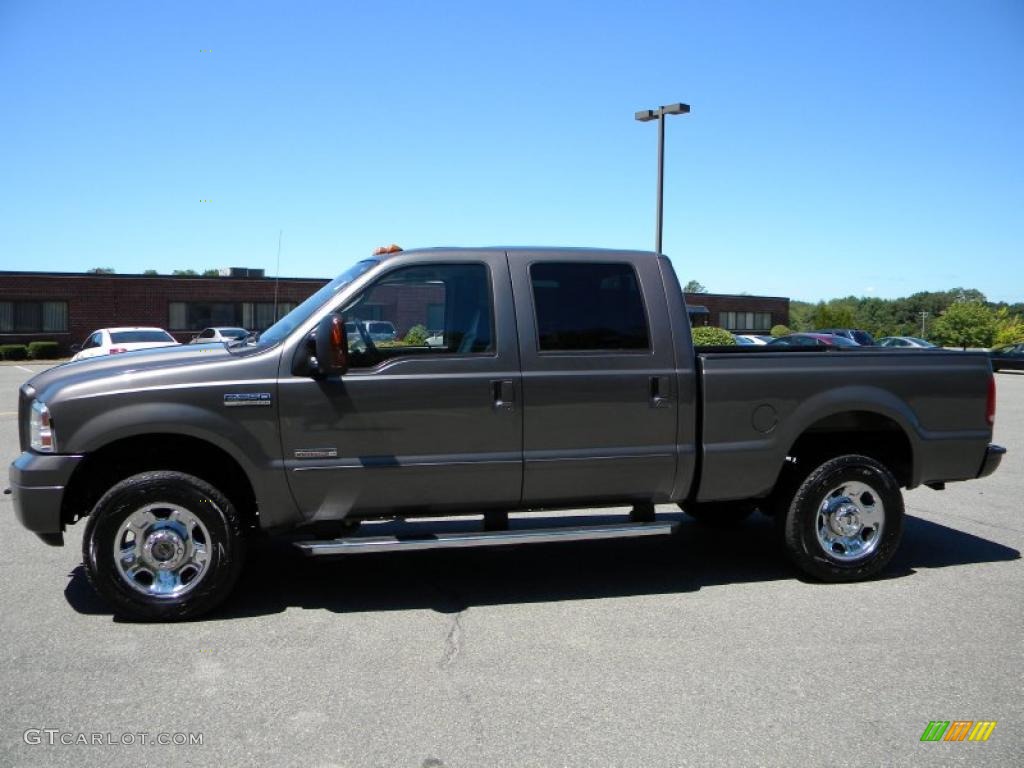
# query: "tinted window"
(587, 306)
(207, 334)
(410, 303)
(136, 337)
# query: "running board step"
(360, 544)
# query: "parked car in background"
(748, 339)
(906, 342)
(381, 330)
(812, 340)
(375, 330)
(1009, 358)
(863, 338)
(219, 333)
(111, 341)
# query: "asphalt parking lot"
(701, 650)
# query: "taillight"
(117, 350)
(990, 407)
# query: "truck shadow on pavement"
(277, 576)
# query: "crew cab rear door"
(599, 380)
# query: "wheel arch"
(108, 464)
(877, 434)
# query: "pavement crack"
(453, 642)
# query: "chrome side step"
(359, 544)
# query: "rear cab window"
(588, 307)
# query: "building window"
(251, 315)
(589, 306)
(33, 317)
(745, 321)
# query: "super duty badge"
(235, 399)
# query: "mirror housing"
(331, 347)
(76, 347)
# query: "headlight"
(41, 435)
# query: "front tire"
(845, 520)
(163, 546)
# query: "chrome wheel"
(162, 550)
(849, 521)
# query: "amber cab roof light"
(386, 249)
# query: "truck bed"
(758, 401)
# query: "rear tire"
(844, 521)
(163, 546)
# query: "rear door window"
(593, 307)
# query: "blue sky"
(872, 148)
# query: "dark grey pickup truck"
(516, 379)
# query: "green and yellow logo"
(958, 730)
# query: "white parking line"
(26, 370)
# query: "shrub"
(43, 350)
(709, 336)
(779, 330)
(13, 352)
(417, 336)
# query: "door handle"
(661, 392)
(503, 395)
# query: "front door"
(428, 417)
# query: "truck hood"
(97, 368)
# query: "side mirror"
(75, 347)
(331, 347)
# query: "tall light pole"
(923, 316)
(646, 115)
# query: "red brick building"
(66, 307)
(738, 313)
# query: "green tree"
(965, 324)
(101, 271)
(709, 336)
(694, 287)
(1009, 328)
(185, 273)
(832, 315)
(211, 273)
(151, 272)
(800, 315)
(779, 330)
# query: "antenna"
(277, 272)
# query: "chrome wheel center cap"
(164, 550)
(845, 520)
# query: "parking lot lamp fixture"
(646, 115)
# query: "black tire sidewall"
(226, 545)
(800, 530)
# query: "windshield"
(301, 313)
